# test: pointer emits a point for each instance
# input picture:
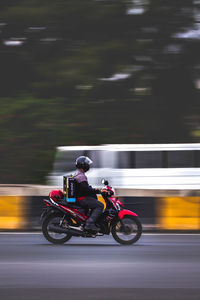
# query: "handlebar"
(108, 191)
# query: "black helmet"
(83, 162)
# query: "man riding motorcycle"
(86, 195)
(62, 220)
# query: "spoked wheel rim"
(56, 221)
(127, 231)
(52, 237)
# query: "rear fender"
(124, 212)
(46, 212)
(51, 208)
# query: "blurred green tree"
(92, 72)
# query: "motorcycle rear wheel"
(55, 238)
(128, 231)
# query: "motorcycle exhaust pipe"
(74, 232)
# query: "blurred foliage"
(95, 71)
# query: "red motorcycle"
(62, 220)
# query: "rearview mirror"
(104, 181)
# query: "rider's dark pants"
(96, 206)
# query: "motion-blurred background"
(96, 72)
(93, 72)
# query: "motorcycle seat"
(72, 205)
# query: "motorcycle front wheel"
(127, 231)
(53, 237)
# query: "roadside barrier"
(21, 206)
(12, 212)
(175, 213)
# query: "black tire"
(138, 230)
(47, 234)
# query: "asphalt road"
(158, 266)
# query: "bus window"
(197, 158)
(126, 159)
(180, 159)
(109, 159)
(95, 156)
(65, 161)
(123, 160)
(148, 159)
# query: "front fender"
(124, 212)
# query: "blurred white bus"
(135, 166)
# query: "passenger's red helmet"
(56, 195)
